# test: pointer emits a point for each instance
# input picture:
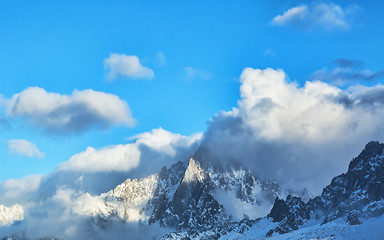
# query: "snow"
(194, 172)
(9, 215)
(257, 231)
(129, 199)
(338, 229)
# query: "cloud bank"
(327, 16)
(58, 114)
(24, 147)
(128, 66)
(125, 157)
(291, 133)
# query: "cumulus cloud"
(328, 16)
(164, 141)
(119, 157)
(19, 190)
(288, 133)
(192, 72)
(125, 157)
(24, 147)
(60, 114)
(129, 66)
(346, 71)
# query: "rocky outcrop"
(289, 213)
(192, 205)
(356, 194)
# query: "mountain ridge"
(196, 199)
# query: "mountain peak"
(371, 150)
(194, 172)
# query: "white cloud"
(164, 141)
(278, 109)
(121, 65)
(293, 14)
(117, 158)
(69, 114)
(24, 147)
(125, 157)
(288, 133)
(19, 190)
(196, 73)
(325, 15)
(88, 205)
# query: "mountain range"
(202, 199)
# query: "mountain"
(358, 193)
(350, 207)
(188, 196)
(202, 199)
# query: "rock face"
(192, 205)
(289, 213)
(186, 196)
(361, 188)
(358, 193)
(143, 199)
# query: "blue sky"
(195, 50)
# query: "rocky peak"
(360, 185)
(371, 150)
(289, 213)
(357, 193)
(279, 210)
(192, 205)
(194, 172)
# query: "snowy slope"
(338, 229)
(9, 215)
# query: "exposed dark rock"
(279, 210)
(192, 205)
(358, 192)
(290, 214)
(353, 219)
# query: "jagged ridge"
(358, 193)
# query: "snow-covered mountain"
(188, 196)
(201, 199)
(351, 207)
